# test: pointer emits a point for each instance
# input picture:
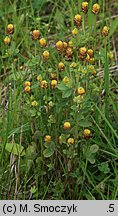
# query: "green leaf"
(59, 17)
(15, 149)
(94, 148)
(62, 87)
(104, 167)
(85, 123)
(32, 62)
(21, 57)
(67, 93)
(48, 152)
(91, 159)
(33, 190)
(31, 151)
(50, 148)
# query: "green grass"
(31, 168)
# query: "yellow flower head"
(90, 52)
(65, 45)
(59, 45)
(75, 31)
(83, 51)
(46, 55)
(96, 8)
(10, 29)
(70, 43)
(44, 84)
(34, 103)
(105, 31)
(77, 20)
(47, 138)
(61, 66)
(42, 42)
(67, 125)
(7, 40)
(71, 141)
(27, 89)
(81, 91)
(86, 133)
(27, 83)
(54, 84)
(35, 34)
(85, 7)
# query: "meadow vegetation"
(59, 99)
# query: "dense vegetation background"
(59, 108)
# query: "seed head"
(69, 53)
